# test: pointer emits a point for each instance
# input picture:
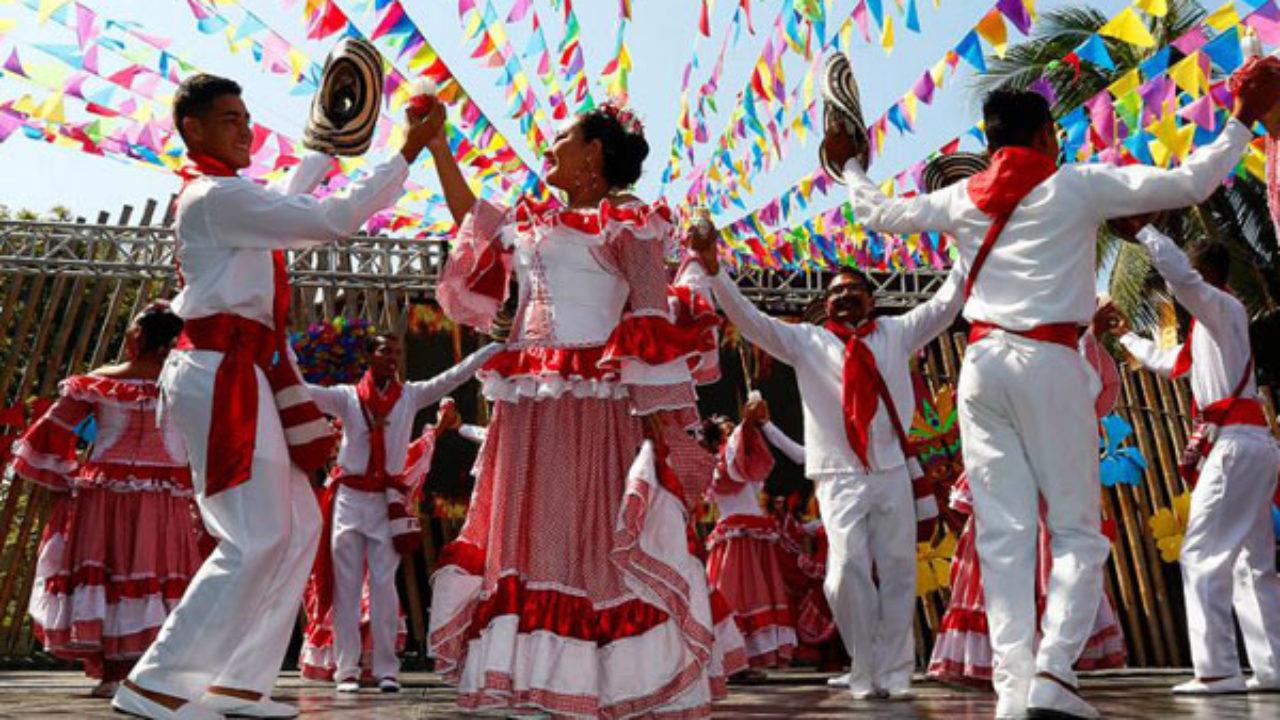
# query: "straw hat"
(842, 108)
(949, 169)
(344, 112)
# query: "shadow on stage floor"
(791, 694)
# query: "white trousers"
(870, 519)
(362, 538)
(1029, 428)
(1228, 558)
(232, 627)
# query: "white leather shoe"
(350, 685)
(131, 703)
(1050, 700)
(389, 685)
(1225, 686)
(263, 707)
(839, 681)
(1257, 685)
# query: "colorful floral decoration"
(935, 434)
(1121, 464)
(933, 565)
(428, 318)
(333, 352)
(1168, 526)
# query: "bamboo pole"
(19, 342)
(1121, 562)
(1165, 451)
(45, 328)
(20, 636)
(66, 325)
(13, 558)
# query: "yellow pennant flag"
(1158, 8)
(47, 8)
(1128, 27)
(1224, 17)
(991, 28)
(1186, 73)
(886, 40)
(1126, 84)
(1255, 163)
(53, 110)
(1175, 141)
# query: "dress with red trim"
(570, 589)
(962, 646)
(123, 536)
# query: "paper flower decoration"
(1121, 464)
(333, 352)
(427, 318)
(1168, 526)
(933, 565)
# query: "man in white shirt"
(372, 521)
(1228, 548)
(853, 451)
(1028, 231)
(221, 648)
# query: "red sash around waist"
(1065, 334)
(1235, 411)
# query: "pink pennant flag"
(924, 88)
(74, 84)
(1200, 112)
(1191, 41)
(518, 11)
(90, 59)
(1268, 28)
(860, 17)
(1103, 116)
(84, 25)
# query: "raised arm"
(1150, 356)
(426, 392)
(1209, 305)
(1137, 189)
(783, 340)
(251, 216)
(878, 212)
(924, 322)
(304, 178)
(331, 400)
(457, 193)
(779, 439)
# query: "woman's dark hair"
(159, 327)
(377, 340)
(196, 94)
(1013, 117)
(621, 140)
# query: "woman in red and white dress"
(122, 539)
(570, 589)
(962, 648)
(744, 560)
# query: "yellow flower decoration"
(933, 565)
(1169, 525)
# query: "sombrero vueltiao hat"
(842, 108)
(949, 169)
(345, 110)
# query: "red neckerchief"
(859, 397)
(1182, 363)
(1014, 172)
(377, 405)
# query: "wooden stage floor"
(793, 694)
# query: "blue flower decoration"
(1275, 519)
(1120, 464)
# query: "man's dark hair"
(196, 94)
(1014, 117)
(373, 342)
(859, 275)
(1212, 260)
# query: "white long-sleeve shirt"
(342, 402)
(818, 358)
(1043, 268)
(1220, 344)
(792, 449)
(228, 226)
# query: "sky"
(662, 37)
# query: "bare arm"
(457, 193)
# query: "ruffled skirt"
(570, 589)
(111, 565)
(744, 563)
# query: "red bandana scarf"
(376, 406)
(859, 397)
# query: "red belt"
(1235, 411)
(364, 483)
(1065, 333)
(234, 422)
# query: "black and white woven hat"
(949, 169)
(344, 112)
(842, 108)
